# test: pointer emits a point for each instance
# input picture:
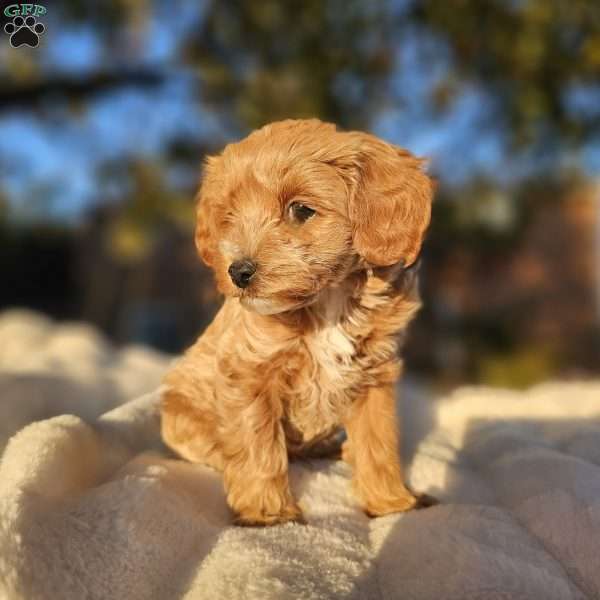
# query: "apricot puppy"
(310, 232)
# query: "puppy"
(310, 232)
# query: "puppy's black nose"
(241, 272)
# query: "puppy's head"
(297, 206)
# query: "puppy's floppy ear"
(390, 203)
(205, 242)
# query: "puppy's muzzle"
(241, 272)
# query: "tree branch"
(76, 87)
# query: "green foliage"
(522, 368)
(261, 61)
(149, 207)
(525, 54)
(268, 60)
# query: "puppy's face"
(297, 206)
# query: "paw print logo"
(24, 31)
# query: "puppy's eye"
(300, 212)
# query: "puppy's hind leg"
(189, 430)
(328, 447)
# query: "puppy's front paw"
(290, 513)
(403, 502)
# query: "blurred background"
(104, 126)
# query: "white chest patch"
(332, 350)
(331, 346)
(319, 400)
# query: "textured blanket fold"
(100, 510)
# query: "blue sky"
(55, 156)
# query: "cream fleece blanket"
(96, 509)
(49, 369)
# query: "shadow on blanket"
(519, 519)
(28, 397)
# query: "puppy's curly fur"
(307, 345)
